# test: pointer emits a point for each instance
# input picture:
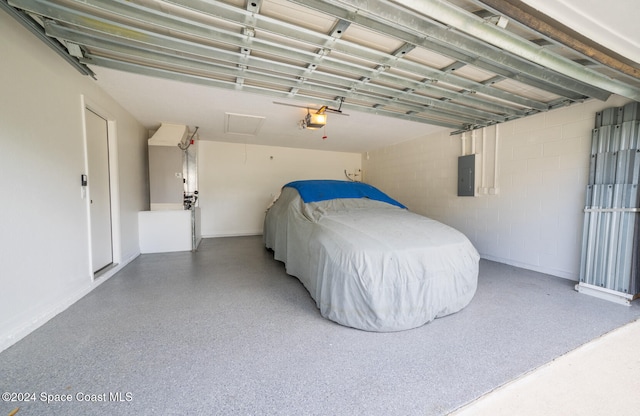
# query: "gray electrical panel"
(467, 175)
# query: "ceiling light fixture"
(313, 121)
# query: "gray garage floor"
(225, 331)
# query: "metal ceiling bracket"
(475, 26)
(25, 20)
(402, 23)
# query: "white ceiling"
(613, 24)
(396, 57)
(155, 100)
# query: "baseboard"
(546, 270)
(29, 325)
(243, 234)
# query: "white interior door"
(99, 191)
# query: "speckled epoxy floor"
(597, 379)
(225, 331)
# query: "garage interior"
(407, 88)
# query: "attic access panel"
(242, 124)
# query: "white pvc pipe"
(463, 139)
(473, 142)
(483, 156)
(495, 159)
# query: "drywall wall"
(237, 182)
(44, 233)
(535, 219)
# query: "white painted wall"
(238, 182)
(44, 235)
(535, 220)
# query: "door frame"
(114, 187)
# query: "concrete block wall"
(534, 219)
(238, 182)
